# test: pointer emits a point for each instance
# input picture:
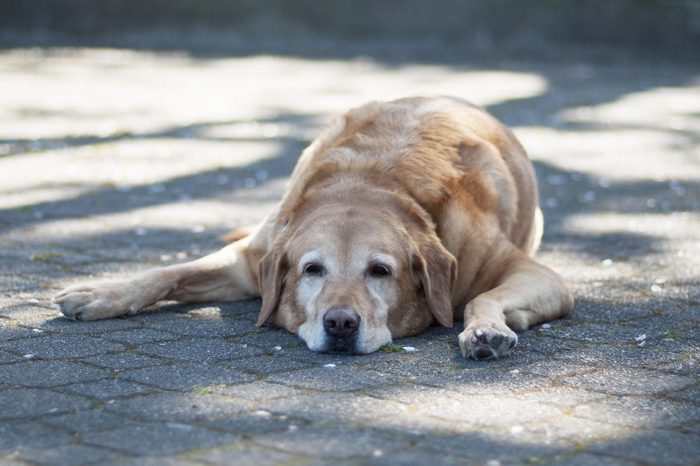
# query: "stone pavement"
(115, 161)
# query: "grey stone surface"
(22, 403)
(158, 439)
(205, 350)
(186, 376)
(124, 160)
(658, 447)
(35, 373)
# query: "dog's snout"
(341, 322)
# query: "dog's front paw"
(95, 301)
(487, 341)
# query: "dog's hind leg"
(526, 293)
(223, 275)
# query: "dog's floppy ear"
(436, 269)
(272, 273)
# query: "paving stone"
(122, 361)
(205, 327)
(635, 411)
(330, 442)
(107, 389)
(186, 376)
(6, 358)
(158, 439)
(69, 455)
(257, 391)
(588, 459)
(180, 407)
(200, 350)
(628, 381)
(16, 437)
(139, 336)
(85, 421)
(11, 330)
(658, 447)
(51, 321)
(563, 430)
(334, 406)
(691, 393)
(485, 410)
(268, 364)
(249, 455)
(339, 379)
(482, 448)
(48, 374)
(61, 347)
(24, 403)
(251, 424)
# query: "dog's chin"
(340, 346)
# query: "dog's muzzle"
(341, 326)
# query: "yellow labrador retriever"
(399, 215)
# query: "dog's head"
(350, 277)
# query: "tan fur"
(436, 185)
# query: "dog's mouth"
(344, 345)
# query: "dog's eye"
(314, 269)
(379, 270)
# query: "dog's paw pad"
(484, 342)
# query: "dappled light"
(120, 160)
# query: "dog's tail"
(237, 234)
(537, 231)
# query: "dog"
(398, 216)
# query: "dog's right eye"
(314, 269)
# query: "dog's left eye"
(379, 270)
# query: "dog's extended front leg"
(223, 275)
(526, 294)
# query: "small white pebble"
(641, 337)
(493, 463)
(262, 413)
(278, 348)
(588, 196)
(607, 262)
(165, 257)
(33, 301)
(656, 289)
(292, 428)
(546, 326)
(37, 330)
(377, 453)
(641, 343)
(515, 430)
(408, 349)
(660, 281)
(244, 345)
(479, 332)
(181, 255)
(515, 371)
(556, 180)
(198, 229)
(331, 365)
(28, 356)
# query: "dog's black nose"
(341, 322)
